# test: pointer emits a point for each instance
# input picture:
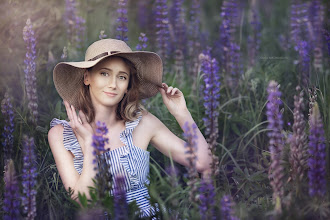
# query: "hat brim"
(68, 76)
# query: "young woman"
(107, 87)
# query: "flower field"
(256, 78)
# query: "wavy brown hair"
(128, 108)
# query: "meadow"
(256, 78)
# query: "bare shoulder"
(149, 120)
(55, 133)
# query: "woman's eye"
(122, 77)
(103, 73)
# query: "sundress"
(129, 161)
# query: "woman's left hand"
(173, 99)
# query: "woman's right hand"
(82, 129)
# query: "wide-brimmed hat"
(68, 76)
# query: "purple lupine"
(11, 201)
(103, 176)
(29, 177)
(74, 23)
(227, 212)
(254, 38)
(327, 38)
(304, 60)
(162, 31)
(102, 35)
(207, 200)
(194, 47)
(312, 92)
(99, 139)
(316, 16)
(298, 22)
(191, 149)
(122, 21)
(30, 70)
(178, 33)
(298, 139)
(229, 49)
(8, 130)
(276, 143)
(120, 198)
(211, 96)
(317, 155)
(142, 42)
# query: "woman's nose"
(112, 82)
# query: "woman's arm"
(168, 143)
(64, 163)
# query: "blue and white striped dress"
(130, 161)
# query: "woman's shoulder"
(149, 120)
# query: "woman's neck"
(106, 115)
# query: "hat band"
(102, 55)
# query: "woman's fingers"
(82, 116)
(68, 110)
(174, 91)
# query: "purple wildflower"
(254, 40)
(276, 142)
(304, 61)
(207, 200)
(229, 49)
(162, 32)
(317, 154)
(227, 212)
(211, 93)
(8, 130)
(312, 100)
(298, 138)
(102, 35)
(75, 24)
(120, 198)
(122, 21)
(99, 140)
(30, 70)
(316, 16)
(298, 22)
(327, 38)
(11, 202)
(191, 148)
(142, 42)
(194, 47)
(29, 177)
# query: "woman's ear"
(86, 78)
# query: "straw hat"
(68, 76)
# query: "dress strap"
(126, 135)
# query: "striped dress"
(130, 161)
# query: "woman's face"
(108, 81)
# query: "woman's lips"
(110, 94)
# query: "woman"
(107, 87)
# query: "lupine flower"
(276, 143)
(254, 39)
(191, 148)
(142, 42)
(103, 176)
(11, 201)
(179, 27)
(298, 139)
(298, 22)
(99, 140)
(30, 70)
(327, 38)
(122, 21)
(29, 177)
(229, 49)
(207, 200)
(316, 16)
(304, 61)
(8, 130)
(317, 155)
(75, 24)
(194, 46)
(162, 32)
(102, 35)
(211, 95)
(227, 212)
(120, 198)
